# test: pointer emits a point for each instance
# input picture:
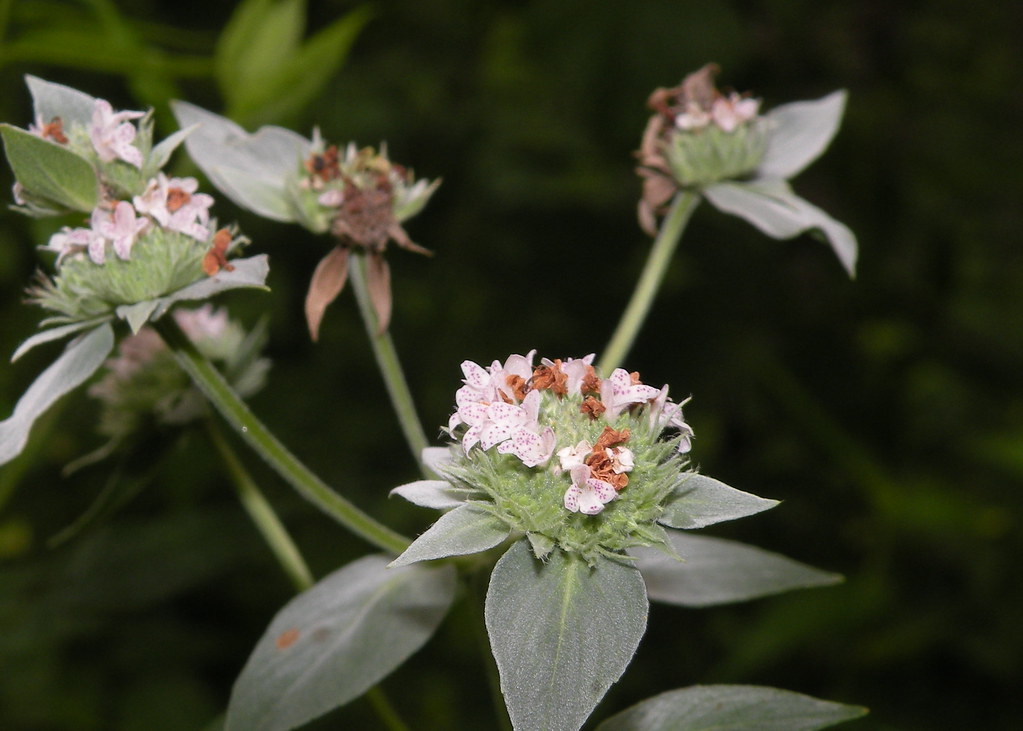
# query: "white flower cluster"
(521, 410)
(170, 203)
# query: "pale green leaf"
(436, 494)
(466, 529)
(56, 100)
(771, 206)
(731, 708)
(253, 170)
(718, 571)
(699, 501)
(799, 133)
(79, 360)
(250, 272)
(49, 170)
(138, 314)
(56, 333)
(562, 633)
(336, 640)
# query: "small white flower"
(174, 204)
(571, 457)
(112, 135)
(72, 240)
(618, 392)
(120, 227)
(622, 459)
(587, 494)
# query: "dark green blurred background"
(887, 412)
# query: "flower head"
(356, 194)
(720, 146)
(564, 455)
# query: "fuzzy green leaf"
(771, 206)
(56, 100)
(49, 170)
(699, 501)
(335, 641)
(248, 273)
(79, 360)
(562, 633)
(464, 530)
(731, 708)
(718, 571)
(56, 333)
(799, 133)
(253, 170)
(436, 494)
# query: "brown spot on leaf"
(287, 638)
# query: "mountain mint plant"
(148, 242)
(567, 482)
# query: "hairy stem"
(674, 224)
(390, 366)
(252, 430)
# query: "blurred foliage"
(886, 412)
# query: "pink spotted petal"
(572, 495)
(475, 376)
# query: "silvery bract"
(741, 161)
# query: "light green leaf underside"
(700, 501)
(562, 633)
(79, 360)
(335, 641)
(731, 708)
(718, 571)
(466, 529)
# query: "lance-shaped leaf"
(56, 100)
(718, 571)
(436, 494)
(731, 708)
(249, 272)
(79, 360)
(50, 171)
(56, 333)
(800, 132)
(335, 641)
(562, 633)
(771, 206)
(466, 529)
(253, 170)
(699, 501)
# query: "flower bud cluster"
(564, 455)
(143, 384)
(697, 136)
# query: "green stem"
(262, 514)
(649, 281)
(385, 710)
(238, 415)
(390, 366)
